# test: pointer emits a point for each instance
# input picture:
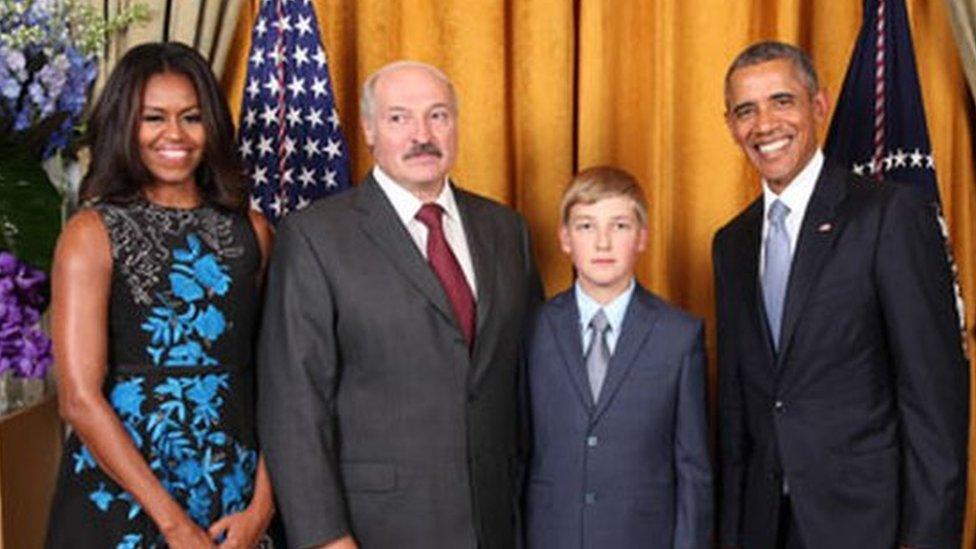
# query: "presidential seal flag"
(290, 138)
(879, 129)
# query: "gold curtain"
(962, 16)
(550, 86)
(207, 25)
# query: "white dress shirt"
(407, 205)
(795, 196)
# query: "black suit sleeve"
(297, 375)
(924, 339)
(535, 299)
(734, 444)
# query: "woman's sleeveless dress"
(182, 319)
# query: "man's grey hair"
(367, 100)
(762, 52)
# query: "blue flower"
(187, 354)
(236, 484)
(189, 471)
(210, 323)
(134, 507)
(83, 460)
(185, 287)
(211, 274)
(171, 387)
(191, 252)
(130, 541)
(127, 397)
(204, 389)
(198, 505)
(10, 88)
(102, 498)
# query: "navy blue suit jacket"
(632, 469)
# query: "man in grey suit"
(388, 361)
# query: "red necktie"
(448, 271)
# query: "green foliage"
(30, 208)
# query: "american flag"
(290, 137)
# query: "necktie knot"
(778, 212)
(599, 323)
(430, 215)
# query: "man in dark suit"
(388, 360)
(843, 385)
(617, 385)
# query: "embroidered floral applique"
(184, 325)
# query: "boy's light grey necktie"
(598, 354)
(776, 270)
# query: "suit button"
(591, 441)
(779, 406)
(590, 498)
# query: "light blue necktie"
(598, 354)
(776, 270)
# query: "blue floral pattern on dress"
(183, 328)
(193, 461)
(175, 420)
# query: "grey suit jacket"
(631, 469)
(373, 417)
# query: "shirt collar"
(406, 204)
(614, 310)
(797, 194)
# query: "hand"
(187, 534)
(243, 529)
(345, 542)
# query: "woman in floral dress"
(155, 293)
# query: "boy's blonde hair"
(594, 184)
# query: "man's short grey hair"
(762, 52)
(367, 100)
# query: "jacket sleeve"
(694, 505)
(923, 332)
(296, 384)
(734, 442)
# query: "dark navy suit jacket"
(865, 407)
(632, 469)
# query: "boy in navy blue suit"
(617, 390)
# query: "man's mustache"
(422, 149)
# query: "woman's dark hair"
(116, 173)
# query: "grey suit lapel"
(565, 324)
(381, 224)
(819, 229)
(639, 320)
(481, 244)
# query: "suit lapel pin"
(825, 227)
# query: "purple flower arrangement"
(25, 350)
(48, 62)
